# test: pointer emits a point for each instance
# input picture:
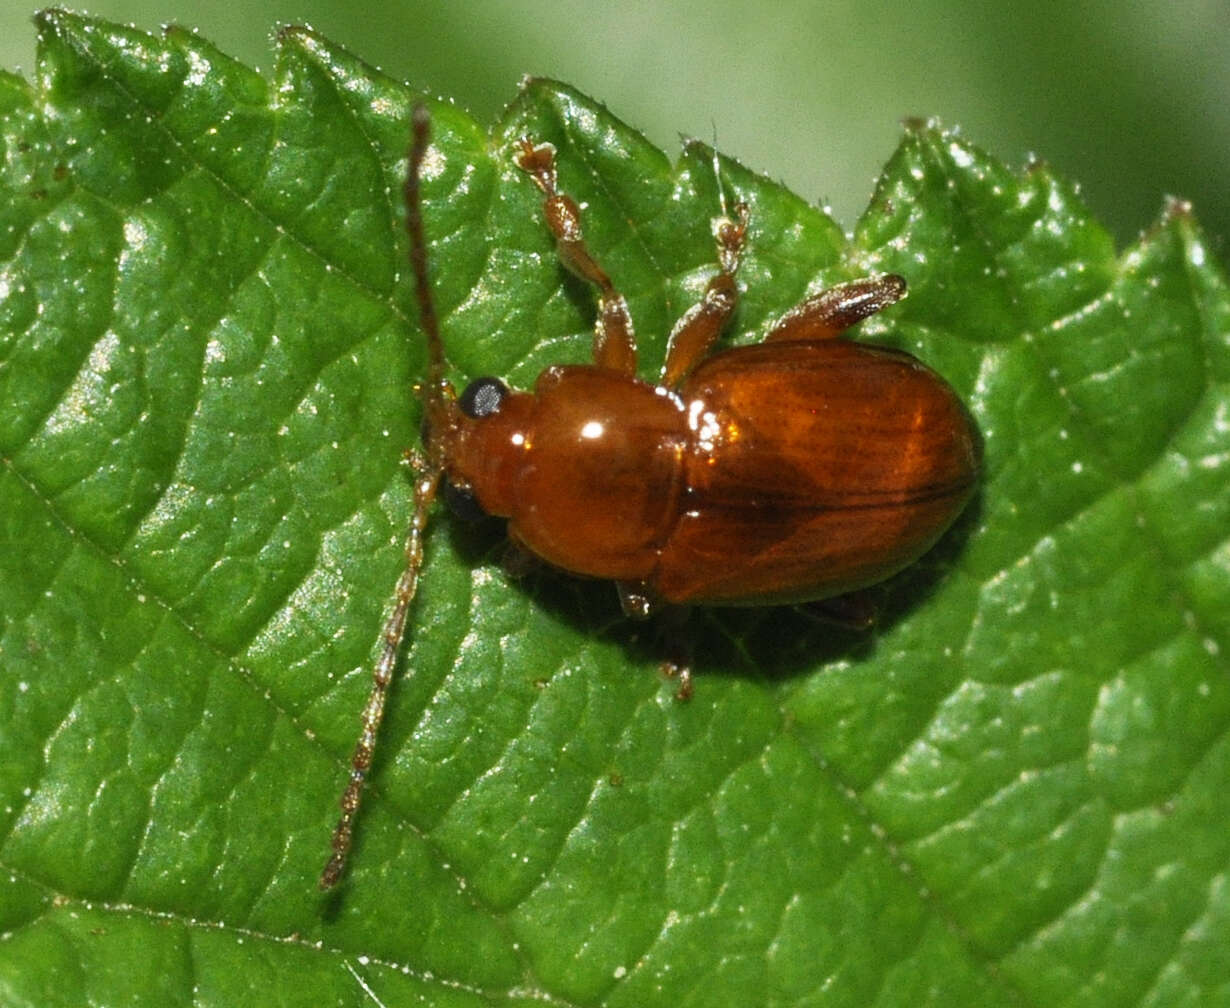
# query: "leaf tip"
(1177, 216)
(915, 125)
(1179, 220)
(294, 34)
(302, 39)
(62, 22)
(47, 20)
(1176, 208)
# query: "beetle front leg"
(831, 312)
(614, 340)
(701, 324)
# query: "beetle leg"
(517, 560)
(832, 311)
(856, 611)
(682, 672)
(634, 599)
(701, 324)
(614, 340)
(677, 645)
(638, 604)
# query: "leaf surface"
(1012, 793)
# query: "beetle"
(797, 469)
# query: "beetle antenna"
(426, 479)
(418, 248)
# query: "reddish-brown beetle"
(796, 469)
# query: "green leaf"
(1012, 793)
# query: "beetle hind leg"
(614, 340)
(831, 312)
(857, 611)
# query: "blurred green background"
(1131, 98)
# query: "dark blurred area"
(1129, 99)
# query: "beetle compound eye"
(461, 501)
(482, 397)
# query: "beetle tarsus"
(634, 599)
(684, 674)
